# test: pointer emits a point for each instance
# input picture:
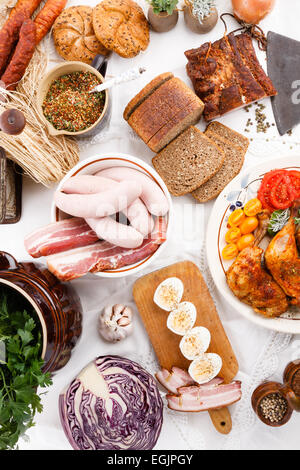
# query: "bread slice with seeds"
(234, 159)
(229, 134)
(188, 161)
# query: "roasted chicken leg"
(282, 258)
(251, 283)
(254, 286)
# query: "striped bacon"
(59, 236)
(103, 256)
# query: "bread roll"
(74, 36)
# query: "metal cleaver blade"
(283, 58)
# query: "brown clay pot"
(291, 376)
(57, 306)
(266, 389)
(194, 24)
(163, 22)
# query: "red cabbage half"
(113, 404)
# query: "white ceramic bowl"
(97, 163)
(244, 187)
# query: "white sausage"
(87, 184)
(136, 213)
(139, 217)
(152, 195)
(103, 204)
(115, 233)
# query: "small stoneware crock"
(263, 391)
(162, 22)
(57, 305)
(291, 376)
(289, 389)
(192, 22)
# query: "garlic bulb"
(115, 323)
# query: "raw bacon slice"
(59, 236)
(202, 399)
(102, 255)
(195, 388)
(211, 384)
(178, 380)
(174, 379)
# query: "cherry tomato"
(295, 180)
(252, 207)
(245, 241)
(249, 225)
(282, 193)
(230, 251)
(232, 235)
(236, 218)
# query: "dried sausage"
(10, 31)
(47, 16)
(21, 57)
(29, 5)
(9, 36)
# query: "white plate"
(242, 188)
(92, 165)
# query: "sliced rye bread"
(229, 134)
(145, 93)
(186, 117)
(188, 161)
(161, 107)
(234, 159)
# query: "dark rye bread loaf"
(160, 108)
(145, 93)
(188, 115)
(234, 159)
(229, 134)
(188, 161)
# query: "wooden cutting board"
(166, 343)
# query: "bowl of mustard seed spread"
(66, 105)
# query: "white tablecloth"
(261, 353)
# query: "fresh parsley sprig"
(20, 374)
(297, 219)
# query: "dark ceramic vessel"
(263, 391)
(291, 376)
(162, 22)
(194, 24)
(56, 304)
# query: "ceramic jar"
(289, 390)
(57, 305)
(162, 22)
(194, 24)
(265, 390)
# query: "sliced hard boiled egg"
(169, 293)
(195, 342)
(204, 368)
(182, 318)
